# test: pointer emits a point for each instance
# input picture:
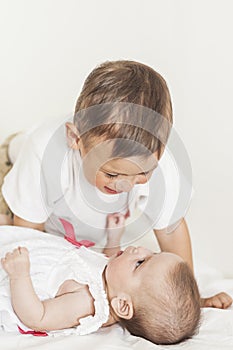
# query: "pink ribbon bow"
(70, 235)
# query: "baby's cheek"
(111, 270)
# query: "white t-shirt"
(47, 184)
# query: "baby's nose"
(124, 186)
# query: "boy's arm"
(61, 312)
(221, 301)
(176, 241)
(17, 221)
(111, 248)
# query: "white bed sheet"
(216, 331)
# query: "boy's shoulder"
(47, 136)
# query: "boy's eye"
(139, 262)
(147, 173)
(111, 175)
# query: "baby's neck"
(111, 320)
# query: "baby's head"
(124, 111)
(154, 296)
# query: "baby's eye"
(111, 175)
(139, 262)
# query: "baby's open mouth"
(119, 253)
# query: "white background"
(49, 46)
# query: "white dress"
(53, 261)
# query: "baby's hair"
(116, 84)
(171, 314)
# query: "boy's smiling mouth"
(109, 190)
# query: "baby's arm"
(52, 314)
(114, 231)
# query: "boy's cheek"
(144, 178)
(94, 178)
(89, 176)
(101, 181)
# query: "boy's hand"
(115, 227)
(221, 301)
(114, 230)
(17, 263)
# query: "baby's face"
(128, 270)
(112, 176)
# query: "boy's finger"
(226, 302)
(111, 217)
(209, 303)
(16, 251)
(225, 299)
(23, 250)
(121, 219)
(217, 303)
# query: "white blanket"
(216, 331)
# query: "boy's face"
(132, 269)
(112, 176)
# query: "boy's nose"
(124, 186)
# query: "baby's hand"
(115, 227)
(17, 263)
(220, 301)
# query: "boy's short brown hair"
(121, 83)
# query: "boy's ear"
(72, 136)
(123, 306)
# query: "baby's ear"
(72, 136)
(123, 306)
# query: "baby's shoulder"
(71, 286)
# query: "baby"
(69, 290)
